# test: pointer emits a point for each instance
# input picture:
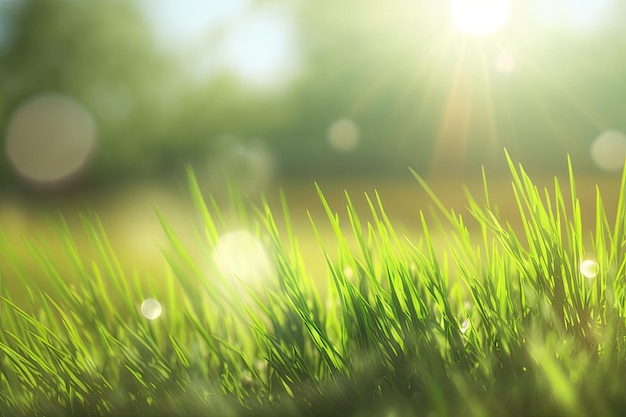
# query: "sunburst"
(479, 17)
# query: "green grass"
(508, 326)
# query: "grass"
(509, 326)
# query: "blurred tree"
(151, 118)
(101, 54)
(419, 94)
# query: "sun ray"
(431, 66)
(535, 91)
(559, 131)
(550, 82)
(453, 80)
(449, 153)
(489, 113)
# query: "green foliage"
(399, 70)
(498, 323)
(150, 115)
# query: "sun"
(479, 17)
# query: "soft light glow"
(479, 17)
(241, 255)
(608, 151)
(50, 138)
(344, 135)
(151, 309)
(589, 268)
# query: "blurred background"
(102, 103)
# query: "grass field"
(446, 312)
(128, 214)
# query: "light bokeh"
(50, 138)
(608, 151)
(240, 255)
(151, 309)
(344, 135)
(589, 268)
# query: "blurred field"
(128, 216)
